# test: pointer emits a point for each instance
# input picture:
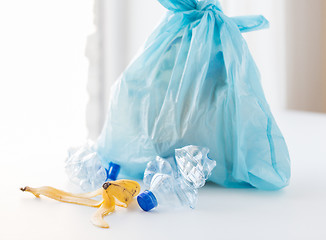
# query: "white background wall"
(306, 44)
(43, 74)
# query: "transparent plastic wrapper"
(194, 165)
(196, 83)
(174, 182)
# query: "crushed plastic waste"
(84, 167)
(174, 181)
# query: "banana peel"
(114, 193)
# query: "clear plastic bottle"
(194, 164)
(174, 182)
(84, 167)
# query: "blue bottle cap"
(113, 171)
(147, 200)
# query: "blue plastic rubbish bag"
(196, 83)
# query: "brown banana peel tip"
(28, 189)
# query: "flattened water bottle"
(174, 182)
(84, 167)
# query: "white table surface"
(296, 212)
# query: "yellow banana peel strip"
(120, 193)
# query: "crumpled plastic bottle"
(174, 182)
(84, 168)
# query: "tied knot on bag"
(244, 23)
(191, 5)
(208, 5)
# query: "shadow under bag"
(196, 83)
